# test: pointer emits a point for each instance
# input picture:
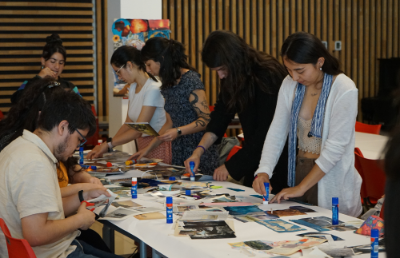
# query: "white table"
(371, 145)
(159, 235)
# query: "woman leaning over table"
(250, 82)
(185, 102)
(146, 104)
(317, 107)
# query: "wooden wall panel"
(24, 25)
(368, 29)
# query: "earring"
(320, 68)
(42, 67)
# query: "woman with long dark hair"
(54, 57)
(185, 102)
(317, 108)
(146, 104)
(250, 82)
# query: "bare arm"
(75, 188)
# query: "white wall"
(136, 9)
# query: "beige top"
(307, 144)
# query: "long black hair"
(305, 48)
(171, 55)
(54, 45)
(247, 68)
(124, 54)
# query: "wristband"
(80, 195)
(204, 149)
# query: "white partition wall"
(137, 9)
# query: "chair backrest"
(357, 165)
(233, 151)
(373, 177)
(17, 248)
(366, 128)
(92, 140)
(1, 115)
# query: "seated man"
(30, 198)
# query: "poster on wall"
(135, 32)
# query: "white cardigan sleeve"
(341, 129)
(278, 130)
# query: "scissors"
(92, 206)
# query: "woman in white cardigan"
(317, 109)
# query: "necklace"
(314, 94)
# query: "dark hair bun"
(53, 39)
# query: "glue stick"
(192, 175)
(80, 155)
(169, 203)
(374, 243)
(134, 188)
(335, 211)
(266, 196)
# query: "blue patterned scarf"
(316, 124)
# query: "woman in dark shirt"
(250, 82)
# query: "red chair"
(374, 179)
(357, 165)
(17, 248)
(365, 128)
(233, 151)
(95, 137)
(1, 115)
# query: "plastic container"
(188, 192)
(169, 208)
(134, 188)
(192, 175)
(374, 243)
(335, 211)
(266, 197)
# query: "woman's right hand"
(47, 72)
(258, 183)
(140, 154)
(196, 159)
(98, 151)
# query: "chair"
(233, 151)
(373, 176)
(95, 137)
(1, 115)
(366, 128)
(17, 248)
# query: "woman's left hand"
(287, 193)
(221, 173)
(95, 180)
(169, 135)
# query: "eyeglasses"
(117, 72)
(83, 141)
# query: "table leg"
(143, 249)
(108, 237)
(155, 254)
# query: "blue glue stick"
(80, 155)
(374, 243)
(192, 175)
(172, 178)
(335, 211)
(87, 166)
(169, 210)
(266, 197)
(188, 192)
(134, 188)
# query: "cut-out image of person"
(250, 82)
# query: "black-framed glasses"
(83, 141)
(117, 72)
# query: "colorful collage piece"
(242, 210)
(135, 32)
(318, 223)
(372, 222)
(286, 212)
(280, 226)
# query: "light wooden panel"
(22, 37)
(368, 29)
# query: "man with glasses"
(30, 199)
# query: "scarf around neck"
(316, 124)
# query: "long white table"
(159, 235)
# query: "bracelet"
(80, 195)
(204, 149)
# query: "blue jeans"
(84, 250)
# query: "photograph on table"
(319, 223)
(125, 204)
(280, 226)
(341, 228)
(150, 216)
(209, 230)
(255, 216)
(286, 212)
(119, 214)
(302, 209)
(242, 210)
(259, 245)
(320, 235)
(143, 127)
